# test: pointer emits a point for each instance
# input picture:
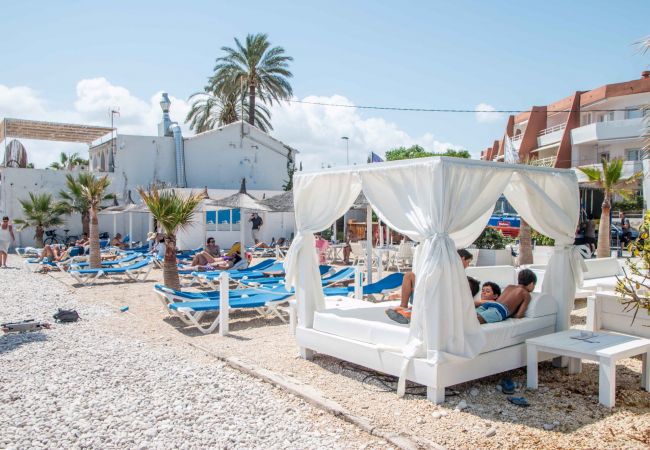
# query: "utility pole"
(347, 149)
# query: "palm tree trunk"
(604, 236)
(38, 236)
(251, 104)
(525, 244)
(85, 222)
(170, 269)
(94, 259)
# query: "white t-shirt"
(160, 249)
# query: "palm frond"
(172, 211)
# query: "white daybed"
(442, 203)
(606, 312)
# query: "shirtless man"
(511, 303)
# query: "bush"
(492, 239)
(633, 204)
(540, 239)
(634, 285)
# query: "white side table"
(606, 348)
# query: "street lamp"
(347, 149)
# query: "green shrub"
(541, 239)
(633, 204)
(492, 239)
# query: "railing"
(517, 137)
(544, 162)
(552, 129)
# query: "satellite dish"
(15, 155)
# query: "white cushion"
(601, 268)
(367, 322)
(501, 275)
(541, 305)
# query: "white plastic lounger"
(135, 272)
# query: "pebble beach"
(87, 385)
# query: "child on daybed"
(511, 303)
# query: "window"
(633, 113)
(633, 154)
(603, 155)
(223, 220)
(586, 119)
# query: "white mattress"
(366, 322)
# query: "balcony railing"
(544, 162)
(517, 137)
(550, 130)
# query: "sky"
(73, 61)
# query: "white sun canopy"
(444, 204)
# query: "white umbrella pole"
(242, 246)
(130, 230)
(369, 244)
(114, 224)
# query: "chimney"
(163, 127)
(645, 74)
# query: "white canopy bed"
(444, 204)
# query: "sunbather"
(117, 241)
(402, 313)
(53, 253)
(489, 293)
(212, 248)
(511, 303)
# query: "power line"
(448, 110)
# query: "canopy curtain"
(550, 203)
(318, 200)
(443, 205)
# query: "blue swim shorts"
(492, 312)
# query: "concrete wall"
(221, 158)
(15, 184)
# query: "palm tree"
(93, 192)
(172, 212)
(41, 212)
(215, 110)
(263, 69)
(74, 199)
(610, 181)
(68, 161)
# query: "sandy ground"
(567, 404)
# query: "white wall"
(15, 184)
(141, 160)
(221, 158)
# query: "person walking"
(257, 222)
(6, 238)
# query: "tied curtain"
(318, 202)
(550, 203)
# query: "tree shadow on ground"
(571, 397)
(12, 341)
(240, 320)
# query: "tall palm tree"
(74, 200)
(611, 182)
(256, 66)
(93, 192)
(210, 110)
(68, 161)
(172, 212)
(40, 211)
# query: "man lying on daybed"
(493, 306)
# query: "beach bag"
(66, 316)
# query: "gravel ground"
(88, 385)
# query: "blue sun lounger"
(169, 295)
(138, 271)
(192, 312)
(388, 283)
(130, 257)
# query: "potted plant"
(492, 248)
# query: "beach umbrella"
(128, 207)
(243, 201)
(281, 202)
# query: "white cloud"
(313, 129)
(316, 131)
(483, 114)
(95, 98)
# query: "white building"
(217, 160)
